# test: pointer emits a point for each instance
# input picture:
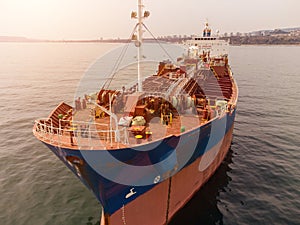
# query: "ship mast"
(140, 16)
(140, 41)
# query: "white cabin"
(212, 45)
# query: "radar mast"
(140, 15)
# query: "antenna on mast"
(140, 15)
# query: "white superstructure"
(211, 45)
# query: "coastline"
(232, 43)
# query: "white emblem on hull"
(131, 193)
(156, 179)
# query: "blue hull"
(95, 167)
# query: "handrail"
(45, 120)
(87, 137)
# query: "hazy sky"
(91, 19)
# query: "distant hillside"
(285, 36)
(290, 29)
(282, 36)
(265, 40)
(15, 39)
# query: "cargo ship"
(146, 149)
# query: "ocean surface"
(258, 183)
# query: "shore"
(233, 40)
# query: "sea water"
(258, 183)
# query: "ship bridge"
(208, 43)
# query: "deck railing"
(80, 135)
